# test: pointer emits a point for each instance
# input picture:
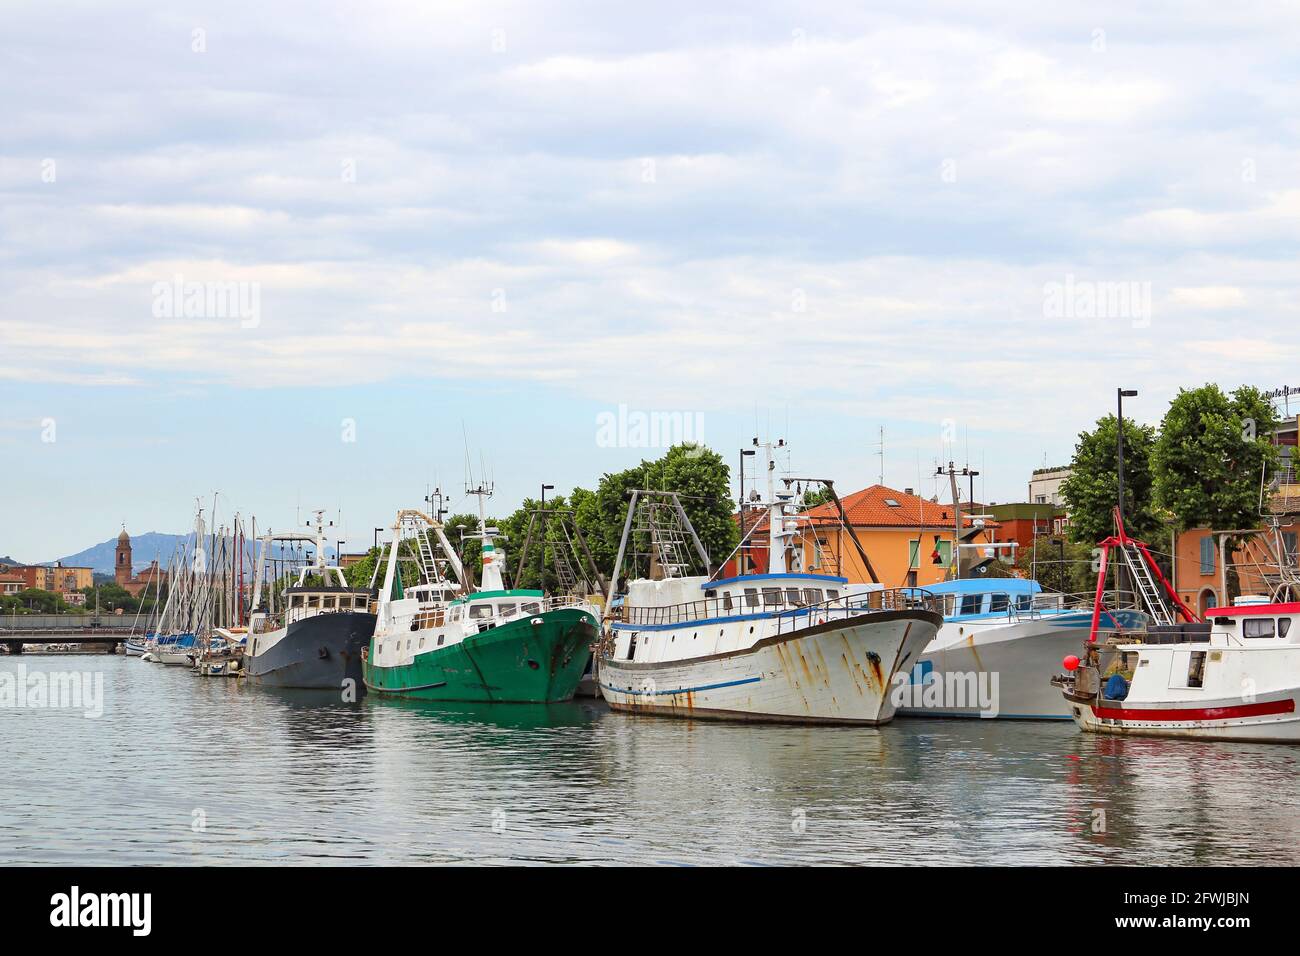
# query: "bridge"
(104, 630)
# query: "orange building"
(907, 539)
(53, 578)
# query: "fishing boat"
(310, 635)
(785, 645)
(1233, 676)
(1001, 642)
(438, 639)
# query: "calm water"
(284, 776)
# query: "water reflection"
(280, 775)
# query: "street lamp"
(971, 473)
(545, 489)
(1120, 395)
(740, 556)
(377, 530)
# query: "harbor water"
(181, 769)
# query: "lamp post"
(971, 473)
(1120, 395)
(377, 530)
(740, 555)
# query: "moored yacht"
(785, 645)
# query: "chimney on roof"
(907, 491)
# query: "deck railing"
(794, 613)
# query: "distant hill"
(144, 548)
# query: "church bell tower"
(122, 561)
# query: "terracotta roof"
(870, 508)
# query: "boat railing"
(790, 613)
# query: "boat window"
(1257, 627)
(479, 611)
(440, 637)
(1283, 625)
(812, 596)
(751, 597)
(726, 601)
(531, 608)
(296, 601)
(970, 603)
(711, 593)
(313, 600)
(631, 647)
(771, 596)
(1024, 602)
(508, 609)
(793, 597)
(421, 643)
(832, 594)
(327, 602)
(999, 603)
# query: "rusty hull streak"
(970, 642)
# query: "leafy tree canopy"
(1210, 457)
(1092, 490)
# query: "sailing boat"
(787, 645)
(315, 637)
(176, 641)
(439, 639)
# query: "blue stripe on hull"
(682, 690)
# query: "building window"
(1207, 555)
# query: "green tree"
(696, 473)
(358, 575)
(1212, 453)
(1092, 490)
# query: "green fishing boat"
(434, 641)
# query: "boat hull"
(538, 659)
(987, 669)
(322, 652)
(1272, 718)
(839, 672)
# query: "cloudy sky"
(502, 220)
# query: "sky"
(401, 230)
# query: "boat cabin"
(968, 599)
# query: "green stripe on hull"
(518, 662)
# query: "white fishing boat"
(1235, 676)
(786, 645)
(1001, 642)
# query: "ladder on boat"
(1145, 584)
(428, 564)
(1159, 598)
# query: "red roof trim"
(1250, 609)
